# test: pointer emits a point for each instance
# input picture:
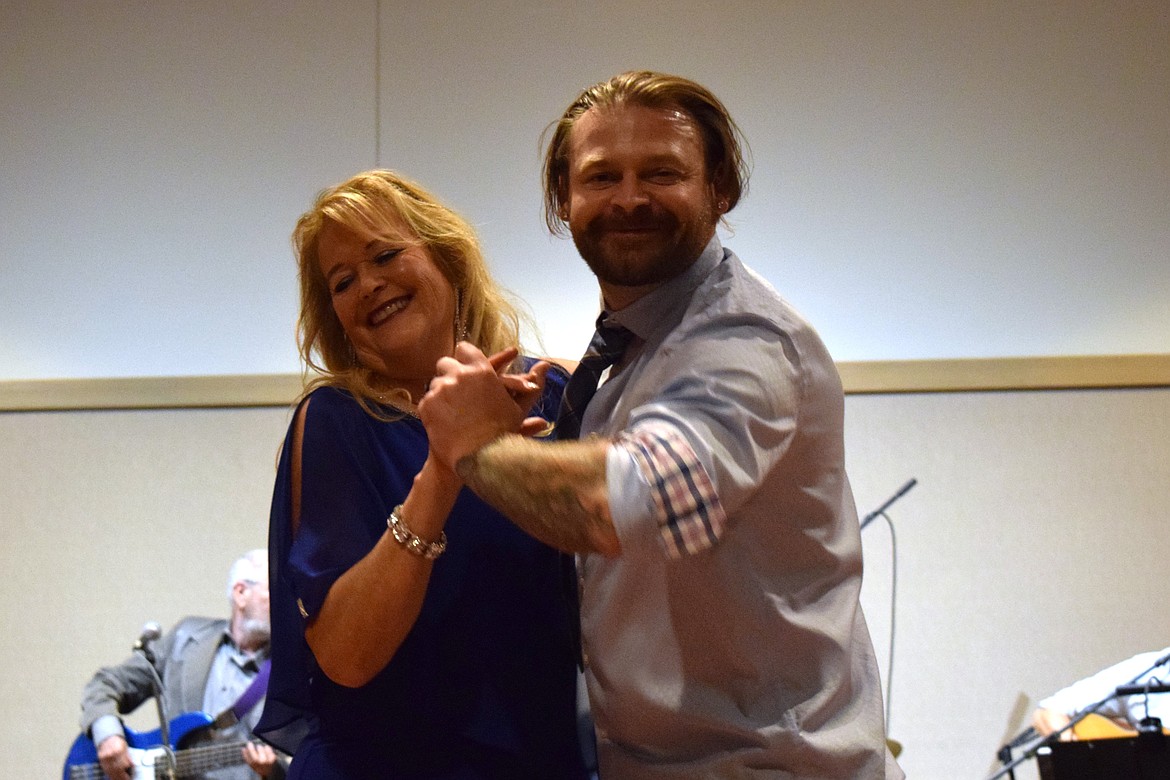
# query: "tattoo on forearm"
(554, 491)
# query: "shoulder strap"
(252, 694)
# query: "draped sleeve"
(351, 478)
(355, 469)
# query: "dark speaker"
(1125, 758)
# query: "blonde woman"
(416, 632)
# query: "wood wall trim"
(186, 392)
(895, 376)
(1030, 373)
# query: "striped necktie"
(605, 349)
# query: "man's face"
(640, 207)
(252, 602)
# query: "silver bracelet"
(412, 541)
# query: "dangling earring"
(460, 323)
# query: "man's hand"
(470, 403)
(260, 757)
(114, 757)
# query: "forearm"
(556, 492)
(370, 609)
(1047, 721)
(114, 690)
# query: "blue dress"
(483, 686)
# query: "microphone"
(1153, 686)
(151, 631)
(1023, 738)
(1138, 690)
(877, 512)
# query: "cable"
(881, 512)
(893, 613)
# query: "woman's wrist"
(411, 541)
(441, 478)
(430, 500)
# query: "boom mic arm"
(878, 512)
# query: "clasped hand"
(473, 400)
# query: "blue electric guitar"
(146, 751)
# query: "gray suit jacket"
(183, 658)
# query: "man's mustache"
(636, 221)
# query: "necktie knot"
(606, 348)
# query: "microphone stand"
(894, 746)
(167, 771)
(1122, 690)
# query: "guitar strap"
(252, 694)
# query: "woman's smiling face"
(394, 304)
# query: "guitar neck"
(188, 763)
(146, 751)
(205, 758)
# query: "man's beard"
(256, 631)
(668, 247)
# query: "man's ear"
(718, 200)
(563, 199)
(237, 592)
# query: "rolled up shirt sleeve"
(653, 473)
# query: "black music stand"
(1121, 758)
(1150, 740)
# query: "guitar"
(1095, 726)
(147, 752)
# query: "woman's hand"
(471, 402)
(526, 389)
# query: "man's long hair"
(724, 145)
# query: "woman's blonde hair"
(374, 205)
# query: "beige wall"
(932, 179)
(1028, 554)
(111, 519)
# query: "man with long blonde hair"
(717, 538)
